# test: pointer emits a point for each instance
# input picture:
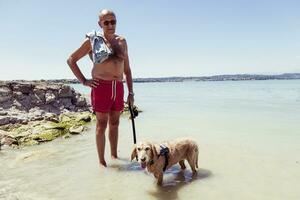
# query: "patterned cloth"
(100, 50)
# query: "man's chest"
(116, 46)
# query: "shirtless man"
(106, 83)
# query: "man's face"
(108, 23)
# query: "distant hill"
(233, 77)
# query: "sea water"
(248, 134)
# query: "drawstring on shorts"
(114, 90)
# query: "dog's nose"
(143, 159)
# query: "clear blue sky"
(165, 38)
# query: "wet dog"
(157, 158)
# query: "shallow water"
(247, 131)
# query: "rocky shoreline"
(32, 112)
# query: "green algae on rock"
(36, 132)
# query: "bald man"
(109, 54)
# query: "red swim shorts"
(108, 96)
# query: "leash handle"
(132, 122)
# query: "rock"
(9, 127)
(54, 87)
(86, 117)
(6, 105)
(51, 117)
(66, 136)
(4, 120)
(26, 102)
(5, 94)
(24, 122)
(52, 125)
(50, 97)
(8, 141)
(3, 134)
(15, 119)
(17, 105)
(40, 94)
(80, 101)
(40, 88)
(18, 95)
(36, 100)
(76, 129)
(37, 118)
(64, 118)
(30, 142)
(33, 112)
(24, 87)
(47, 135)
(36, 111)
(65, 91)
(3, 113)
(20, 135)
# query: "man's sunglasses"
(112, 22)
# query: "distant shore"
(227, 77)
(234, 77)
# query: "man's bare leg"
(114, 117)
(102, 119)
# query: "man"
(106, 83)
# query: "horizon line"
(164, 77)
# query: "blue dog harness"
(164, 151)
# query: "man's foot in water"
(102, 164)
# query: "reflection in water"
(178, 180)
(122, 164)
(174, 178)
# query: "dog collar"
(151, 162)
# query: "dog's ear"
(134, 153)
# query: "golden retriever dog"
(157, 158)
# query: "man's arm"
(128, 75)
(77, 55)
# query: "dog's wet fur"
(147, 154)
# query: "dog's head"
(145, 153)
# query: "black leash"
(132, 122)
(132, 116)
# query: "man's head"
(107, 21)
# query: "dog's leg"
(195, 156)
(160, 180)
(159, 177)
(192, 162)
(196, 160)
(182, 165)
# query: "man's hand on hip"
(93, 83)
